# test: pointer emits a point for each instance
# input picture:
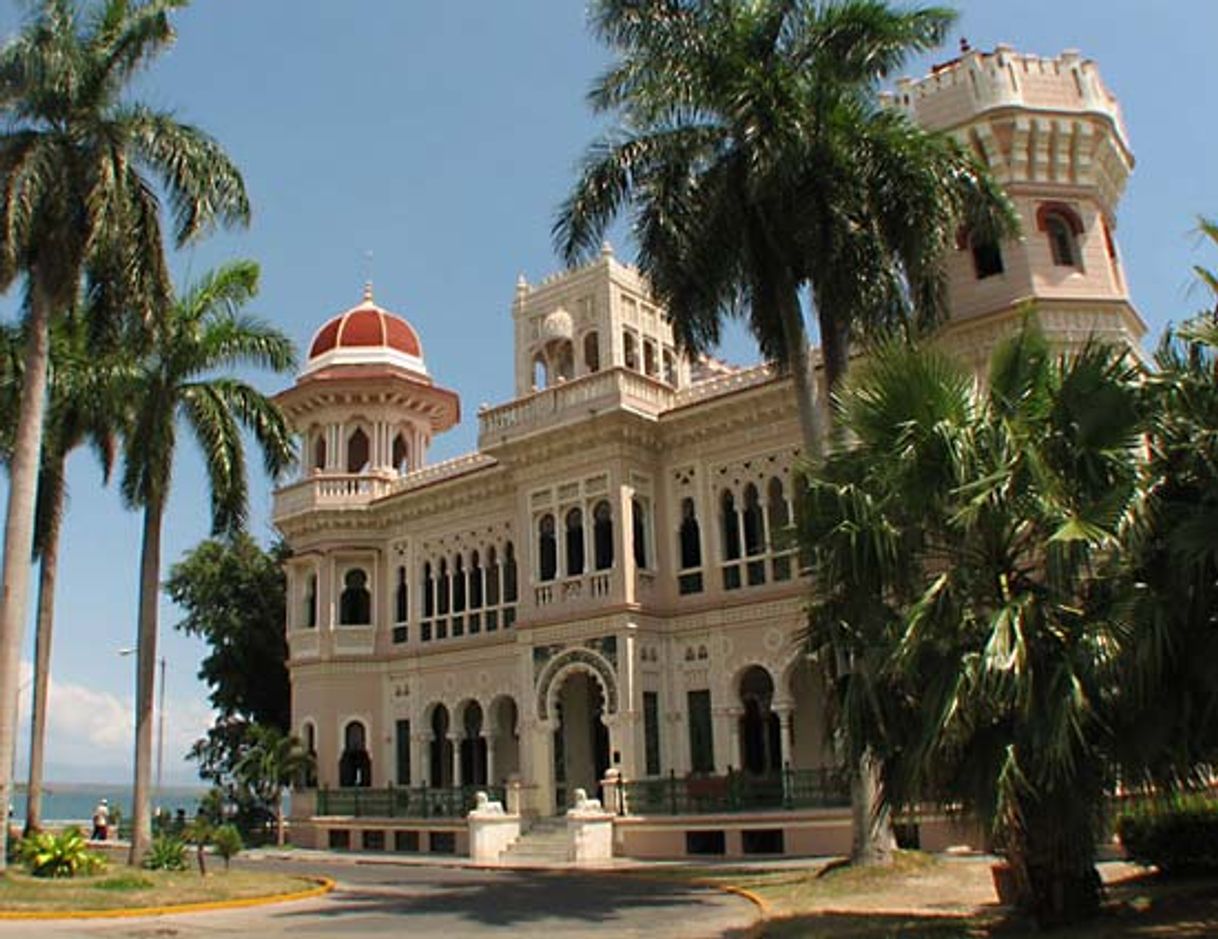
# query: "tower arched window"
(575, 542)
(319, 452)
(564, 361)
(355, 604)
(670, 368)
(602, 536)
(638, 531)
(547, 548)
(592, 352)
(541, 373)
(310, 602)
(401, 455)
(651, 364)
(987, 257)
(357, 451)
(630, 354)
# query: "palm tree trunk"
(47, 569)
(19, 532)
(279, 828)
(150, 576)
(795, 336)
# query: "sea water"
(75, 802)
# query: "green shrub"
(124, 882)
(227, 841)
(167, 853)
(1178, 835)
(66, 854)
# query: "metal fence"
(403, 802)
(735, 792)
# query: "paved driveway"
(453, 903)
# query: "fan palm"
(272, 762)
(1000, 658)
(78, 164)
(86, 370)
(201, 333)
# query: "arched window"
(592, 352)
(575, 543)
(731, 529)
(310, 602)
(670, 367)
(429, 592)
(651, 364)
(458, 584)
(357, 451)
(319, 452)
(475, 582)
(473, 747)
(760, 744)
(441, 749)
(355, 766)
(754, 533)
(691, 541)
(509, 573)
(492, 577)
(401, 455)
(355, 604)
(547, 548)
(602, 536)
(1061, 241)
(541, 374)
(778, 514)
(630, 355)
(564, 362)
(638, 526)
(987, 257)
(400, 600)
(308, 736)
(442, 589)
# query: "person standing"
(101, 821)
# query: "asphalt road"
(453, 903)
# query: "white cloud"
(87, 726)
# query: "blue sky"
(440, 137)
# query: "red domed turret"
(367, 335)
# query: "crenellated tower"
(1052, 134)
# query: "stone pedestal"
(491, 830)
(590, 829)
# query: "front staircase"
(545, 844)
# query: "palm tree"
(85, 369)
(201, 333)
(78, 163)
(1002, 660)
(273, 762)
(757, 158)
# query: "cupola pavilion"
(602, 597)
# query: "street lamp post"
(160, 729)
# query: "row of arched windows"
(753, 543)
(652, 358)
(461, 598)
(359, 452)
(1062, 227)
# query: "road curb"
(322, 886)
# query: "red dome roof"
(367, 326)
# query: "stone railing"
(714, 387)
(447, 469)
(612, 389)
(595, 586)
(329, 490)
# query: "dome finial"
(367, 291)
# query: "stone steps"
(546, 842)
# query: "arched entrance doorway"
(760, 740)
(355, 766)
(441, 755)
(581, 739)
(504, 758)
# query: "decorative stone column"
(420, 757)
(784, 733)
(489, 738)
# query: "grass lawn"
(120, 887)
(925, 897)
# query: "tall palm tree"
(78, 163)
(272, 762)
(84, 407)
(758, 160)
(203, 332)
(1001, 654)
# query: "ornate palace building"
(605, 584)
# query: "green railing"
(735, 792)
(403, 802)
